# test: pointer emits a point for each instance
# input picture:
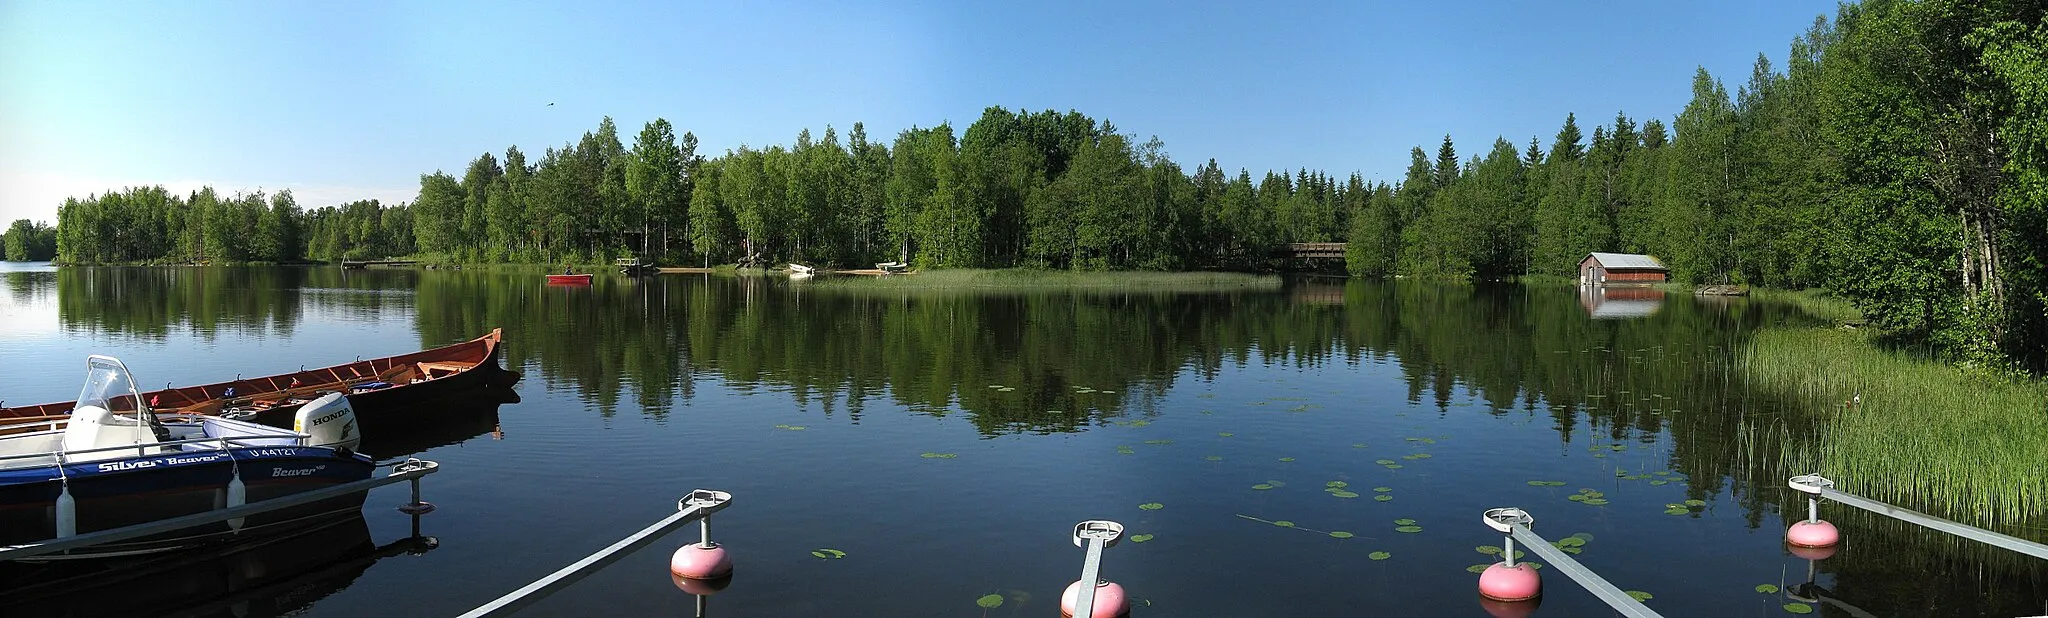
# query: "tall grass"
(1024, 279)
(1912, 432)
(1815, 302)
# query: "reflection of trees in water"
(150, 302)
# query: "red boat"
(583, 279)
(379, 389)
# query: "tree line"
(27, 241)
(1898, 160)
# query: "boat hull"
(570, 279)
(462, 369)
(124, 492)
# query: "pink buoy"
(1501, 582)
(1110, 601)
(699, 561)
(1812, 553)
(1510, 609)
(700, 587)
(1815, 533)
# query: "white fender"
(67, 513)
(238, 495)
(330, 420)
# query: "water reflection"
(1620, 303)
(278, 576)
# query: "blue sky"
(341, 101)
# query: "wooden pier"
(361, 264)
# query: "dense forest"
(1900, 159)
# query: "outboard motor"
(330, 420)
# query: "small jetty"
(361, 264)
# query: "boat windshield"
(108, 386)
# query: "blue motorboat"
(113, 462)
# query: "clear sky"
(350, 100)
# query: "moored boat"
(381, 390)
(582, 279)
(799, 271)
(114, 462)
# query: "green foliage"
(27, 241)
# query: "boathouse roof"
(1625, 260)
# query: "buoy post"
(1080, 600)
(1817, 487)
(693, 507)
(1505, 580)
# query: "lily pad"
(1478, 568)
(1213, 458)
(792, 427)
(1225, 434)
(1490, 550)
(1798, 608)
(1404, 522)
(1639, 595)
(1660, 482)
(1125, 450)
(990, 602)
(1393, 466)
(1276, 483)
(828, 553)
(1384, 462)
(1695, 502)
(1140, 538)
(1159, 442)
(1263, 486)
(1358, 446)
(1677, 511)
(1409, 529)
(1570, 541)
(1286, 459)
(1341, 534)
(1576, 497)
(1344, 494)
(1594, 501)
(1767, 588)
(939, 455)
(1337, 484)
(1383, 498)
(1284, 523)
(1151, 506)
(1382, 489)
(1379, 555)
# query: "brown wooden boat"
(379, 389)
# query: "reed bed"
(1815, 302)
(1913, 432)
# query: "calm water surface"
(947, 441)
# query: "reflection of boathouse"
(1618, 303)
(1621, 269)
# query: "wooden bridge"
(1313, 251)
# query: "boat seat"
(93, 427)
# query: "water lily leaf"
(1361, 445)
(1677, 511)
(828, 553)
(1798, 608)
(1767, 588)
(1695, 502)
(1662, 473)
(1568, 550)
(1409, 529)
(1393, 466)
(1404, 522)
(990, 602)
(1383, 498)
(1583, 537)
(1384, 462)
(1140, 538)
(1337, 484)
(1594, 501)
(1379, 555)
(1478, 568)
(1276, 483)
(1344, 494)
(1284, 523)
(1286, 459)
(1639, 595)
(1341, 534)
(1570, 541)
(1213, 458)
(1383, 489)
(939, 455)
(1151, 506)
(1576, 497)
(1660, 482)
(1125, 450)
(1263, 486)
(1490, 550)
(1225, 434)
(1159, 442)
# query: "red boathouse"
(1621, 268)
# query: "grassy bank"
(1025, 279)
(1909, 431)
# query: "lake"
(946, 440)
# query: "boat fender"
(330, 420)
(67, 513)
(238, 495)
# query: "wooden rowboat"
(380, 389)
(583, 279)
